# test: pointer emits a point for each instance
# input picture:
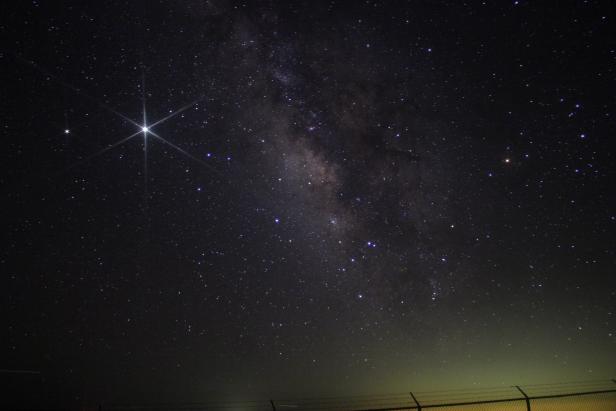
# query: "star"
(147, 129)
(144, 127)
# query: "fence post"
(273, 406)
(416, 402)
(525, 396)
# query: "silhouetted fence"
(593, 395)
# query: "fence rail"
(594, 395)
(527, 400)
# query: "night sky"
(334, 197)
